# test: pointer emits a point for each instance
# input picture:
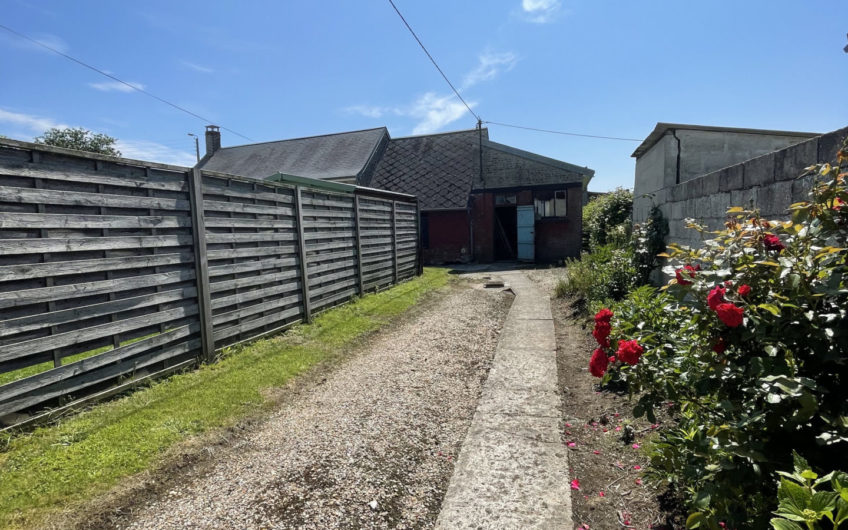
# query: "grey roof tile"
(439, 169)
(330, 156)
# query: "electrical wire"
(455, 91)
(110, 76)
(563, 132)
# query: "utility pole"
(196, 146)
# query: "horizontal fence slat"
(249, 266)
(241, 222)
(250, 252)
(81, 244)
(22, 386)
(212, 189)
(256, 294)
(62, 292)
(249, 237)
(41, 320)
(63, 268)
(174, 182)
(261, 279)
(243, 312)
(80, 198)
(240, 207)
(33, 346)
(255, 323)
(93, 377)
(40, 220)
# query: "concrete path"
(512, 470)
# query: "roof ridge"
(439, 134)
(307, 137)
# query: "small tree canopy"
(79, 139)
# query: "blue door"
(526, 233)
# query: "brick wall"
(448, 240)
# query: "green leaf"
(823, 501)
(841, 511)
(702, 500)
(840, 484)
(793, 495)
(771, 308)
(783, 524)
(695, 520)
(799, 463)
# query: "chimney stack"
(213, 139)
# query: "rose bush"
(749, 342)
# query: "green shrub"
(749, 346)
(606, 219)
(607, 273)
(799, 502)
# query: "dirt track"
(372, 445)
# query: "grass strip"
(89, 453)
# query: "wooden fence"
(113, 271)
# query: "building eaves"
(661, 128)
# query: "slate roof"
(439, 169)
(330, 156)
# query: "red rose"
(716, 297)
(744, 290)
(598, 363)
(629, 351)
(720, 345)
(690, 270)
(730, 314)
(772, 242)
(601, 333)
(728, 283)
(604, 315)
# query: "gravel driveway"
(371, 446)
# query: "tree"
(79, 139)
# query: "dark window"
(503, 199)
(550, 203)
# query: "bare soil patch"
(608, 455)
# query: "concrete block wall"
(769, 182)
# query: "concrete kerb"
(512, 469)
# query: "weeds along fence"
(114, 271)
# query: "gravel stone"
(371, 446)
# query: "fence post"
(394, 240)
(419, 265)
(301, 249)
(358, 245)
(198, 230)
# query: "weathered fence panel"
(114, 270)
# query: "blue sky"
(285, 69)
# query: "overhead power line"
(110, 76)
(563, 132)
(455, 91)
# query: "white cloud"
(198, 67)
(115, 86)
(434, 112)
(154, 152)
(44, 38)
(489, 66)
(369, 111)
(541, 11)
(137, 149)
(35, 124)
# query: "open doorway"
(506, 233)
